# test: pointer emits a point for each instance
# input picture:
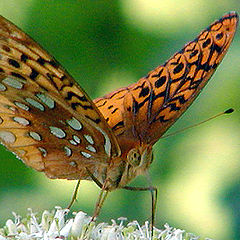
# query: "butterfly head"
(139, 159)
(137, 162)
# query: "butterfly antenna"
(228, 111)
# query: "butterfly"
(53, 126)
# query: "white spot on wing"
(22, 121)
(86, 155)
(74, 124)
(35, 104)
(22, 106)
(7, 137)
(68, 151)
(2, 87)
(43, 151)
(11, 108)
(89, 138)
(76, 139)
(35, 136)
(46, 100)
(58, 132)
(91, 148)
(73, 163)
(107, 144)
(18, 84)
(73, 142)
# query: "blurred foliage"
(109, 44)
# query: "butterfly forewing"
(46, 118)
(149, 107)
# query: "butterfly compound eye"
(134, 157)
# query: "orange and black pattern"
(53, 126)
(145, 110)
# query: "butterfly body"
(51, 124)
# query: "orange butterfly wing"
(54, 127)
(142, 112)
(46, 118)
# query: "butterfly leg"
(102, 196)
(74, 196)
(153, 191)
(99, 203)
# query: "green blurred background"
(109, 44)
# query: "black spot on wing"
(41, 61)
(24, 58)
(14, 63)
(34, 74)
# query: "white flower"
(53, 226)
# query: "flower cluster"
(53, 225)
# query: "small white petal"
(46, 216)
(66, 229)
(12, 228)
(80, 220)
